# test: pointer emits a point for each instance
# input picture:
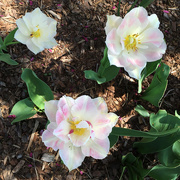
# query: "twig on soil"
(35, 166)
(83, 91)
(33, 133)
(34, 159)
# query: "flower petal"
(152, 35)
(49, 139)
(97, 148)
(62, 131)
(32, 47)
(51, 109)
(134, 72)
(112, 22)
(141, 14)
(112, 42)
(153, 53)
(117, 60)
(22, 27)
(84, 108)
(19, 36)
(79, 140)
(101, 104)
(153, 21)
(71, 156)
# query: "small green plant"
(5, 57)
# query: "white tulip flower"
(36, 30)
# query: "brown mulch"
(80, 37)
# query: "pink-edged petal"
(84, 108)
(113, 21)
(153, 53)
(141, 14)
(134, 72)
(51, 109)
(101, 104)
(62, 131)
(19, 36)
(32, 47)
(23, 27)
(152, 35)
(79, 140)
(135, 58)
(65, 100)
(60, 116)
(117, 60)
(129, 26)
(71, 156)
(97, 148)
(49, 139)
(113, 42)
(102, 124)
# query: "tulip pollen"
(35, 34)
(131, 42)
(75, 130)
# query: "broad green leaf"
(89, 74)
(134, 167)
(110, 73)
(39, 91)
(176, 149)
(113, 140)
(10, 37)
(149, 69)
(7, 59)
(104, 62)
(168, 157)
(145, 3)
(23, 109)
(156, 90)
(117, 131)
(162, 122)
(161, 172)
(142, 111)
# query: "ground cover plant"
(123, 125)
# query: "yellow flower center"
(131, 42)
(36, 33)
(75, 130)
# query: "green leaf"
(113, 140)
(162, 122)
(149, 69)
(39, 91)
(135, 167)
(156, 90)
(161, 172)
(105, 73)
(7, 59)
(142, 111)
(23, 109)
(10, 37)
(145, 3)
(1, 42)
(168, 156)
(117, 131)
(110, 73)
(89, 74)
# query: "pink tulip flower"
(134, 40)
(78, 128)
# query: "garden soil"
(80, 37)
